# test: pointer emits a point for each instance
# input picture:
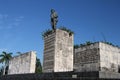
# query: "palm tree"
(5, 57)
(1, 71)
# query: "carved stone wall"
(97, 57)
(58, 52)
(49, 52)
(109, 58)
(87, 58)
(63, 52)
(22, 64)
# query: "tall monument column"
(58, 48)
(58, 52)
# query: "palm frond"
(4, 52)
(2, 60)
(1, 55)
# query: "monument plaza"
(61, 61)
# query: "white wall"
(24, 63)
(109, 57)
(63, 52)
(87, 58)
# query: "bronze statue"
(54, 19)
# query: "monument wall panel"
(99, 56)
(24, 63)
(109, 58)
(49, 51)
(63, 51)
(87, 58)
(58, 52)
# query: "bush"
(46, 33)
(90, 42)
(49, 31)
(68, 30)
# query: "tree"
(38, 66)
(4, 59)
(88, 42)
(76, 46)
(1, 71)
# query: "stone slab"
(58, 52)
(22, 64)
(60, 76)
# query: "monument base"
(64, 76)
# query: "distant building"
(97, 57)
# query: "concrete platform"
(64, 76)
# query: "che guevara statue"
(54, 19)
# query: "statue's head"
(52, 10)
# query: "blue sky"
(23, 21)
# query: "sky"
(22, 22)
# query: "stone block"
(22, 64)
(58, 52)
(97, 57)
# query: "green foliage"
(46, 33)
(19, 53)
(76, 46)
(1, 71)
(38, 66)
(109, 43)
(49, 31)
(90, 42)
(4, 58)
(68, 30)
(82, 45)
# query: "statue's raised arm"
(54, 19)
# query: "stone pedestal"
(58, 52)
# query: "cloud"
(19, 18)
(16, 22)
(3, 49)
(8, 22)
(3, 16)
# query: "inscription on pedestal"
(58, 52)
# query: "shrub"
(49, 31)
(46, 33)
(68, 30)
